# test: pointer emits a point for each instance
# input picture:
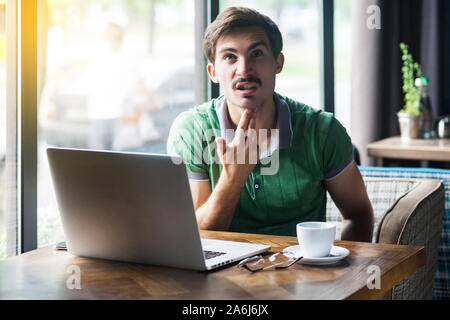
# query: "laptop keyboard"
(212, 254)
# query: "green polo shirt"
(286, 186)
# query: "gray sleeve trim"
(200, 176)
(337, 171)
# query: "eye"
(257, 53)
(229, 57)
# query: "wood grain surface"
(44, 274)
(415, 149)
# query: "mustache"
(248, 79)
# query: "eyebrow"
(253, 46)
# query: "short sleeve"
(185, 140)
(337, 151)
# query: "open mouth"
(247, 86)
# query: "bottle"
(428, 131)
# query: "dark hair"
(239, 17)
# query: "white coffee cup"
(316, 238)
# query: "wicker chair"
(407, 212)
(442, 278)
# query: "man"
(311, 150)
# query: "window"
(8, 139)
(113, 76)
(343, 62)
(2, 128)
(299, 25)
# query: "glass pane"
(2, 126)
(113, 75)
(299, 25)
(8, 138)
(342, 60)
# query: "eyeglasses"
(276, 261)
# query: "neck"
(265, 117)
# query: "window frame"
(28, 121)
(327, 55)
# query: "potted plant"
(410, 116)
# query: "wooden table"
(415, 149)
(45, 274)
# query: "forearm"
(353, 203)
(218, 211)
(359, 228)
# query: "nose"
(244, 67)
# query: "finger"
(224, 152)
(252, 145)
(220, 146)
(251, 132)
(243, 125)
(244, 120)
(252, 121)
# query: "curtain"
(376, 65)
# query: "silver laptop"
(134, 207)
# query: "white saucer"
(336, 254)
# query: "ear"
(212, 72)
(280, 63)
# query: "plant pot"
(410, 125)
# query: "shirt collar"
(282, 140)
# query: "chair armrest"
(429, 193)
